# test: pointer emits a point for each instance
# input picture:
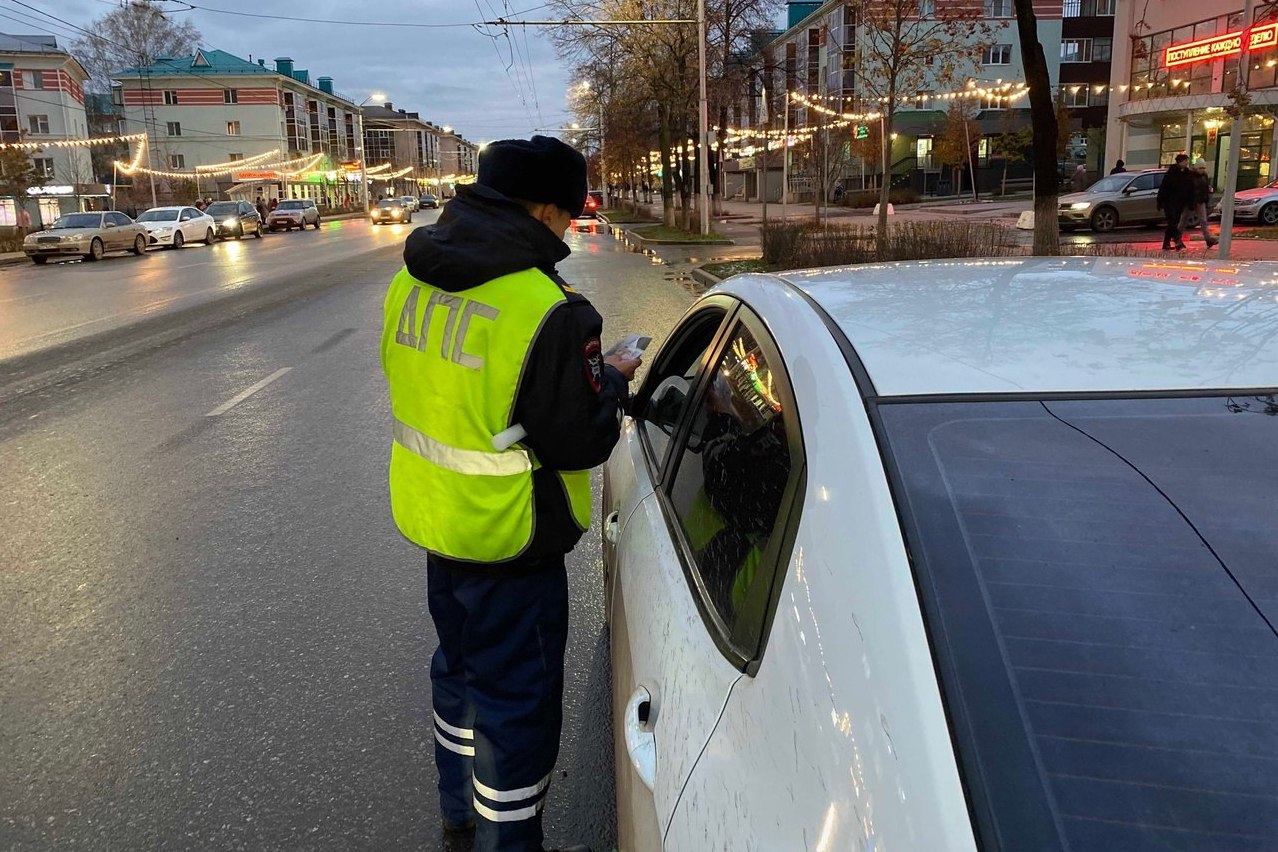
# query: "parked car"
(1128, 198)
(951, 555)
(390, 211)
(86, 235)
(428, 201)
(294, 213)
(1257, 205)
(235, 219)
(174, 226)
(410, 203)
(594, 201)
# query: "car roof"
(175, 207)
(1044, 325)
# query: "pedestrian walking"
(1079, 180)
(1119, 168)
(481, 339)
(24, 222)
(1195, 215)
(1174, 195)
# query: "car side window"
(673, 379)
(730, 486)
(117, 218)
(187, 215)
(1145, 182)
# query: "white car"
(176, 226)
(410, 203)
(1258, 204)
(952, 555)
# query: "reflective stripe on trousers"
(468, 462)
(527, 801)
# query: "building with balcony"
(1172, 77)
(459, 159)
(42, 99)
(823, 60)
(214, 108)
(409, 144)
(1087, 48)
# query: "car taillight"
(592, 203)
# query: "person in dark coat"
(1195, 215)
(1119, 168)
(1174, 195)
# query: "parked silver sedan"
(1259, 204)
(86, 235)
(1128, 198)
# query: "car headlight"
(164, 229)
(73, 238)
(1080, 205)
(231, 223)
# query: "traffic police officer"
(480, 335)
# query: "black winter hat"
(540, 169)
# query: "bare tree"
(953, 147)
(911, 46)
(1047, 236)
(133, 34)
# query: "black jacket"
(1176, 192)
(1201, 187)
(568, 401)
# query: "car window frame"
(1153, 178)
(658, 467)
(785, 528)
(113, 216)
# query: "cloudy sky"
(484, 86)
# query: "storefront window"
(8, 213)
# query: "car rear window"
(222, 208)
(1100, 584)
(290, 205)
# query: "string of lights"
(73, 143)
(239, 164)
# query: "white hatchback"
(176, 226)
(952, 555)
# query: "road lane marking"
(246, 393)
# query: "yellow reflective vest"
(453, 361)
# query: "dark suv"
(594, 203)
(235, 218)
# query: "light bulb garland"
(238, 164)
(73, 143)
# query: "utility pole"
(703, 120)
(1235, 135)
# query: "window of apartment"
(992, 102)
(33, 79)
(234, 157)
(923, 151)
(1076, 50)
(230, 96)
(174, 128)
(1076, 96)
(232, 128)
(927, 8)
(1102, 49)
(998, 8)
(177, 161)
(39, 124)
(43, 166)
(170, 97)
(1105, 7)
(997, 54)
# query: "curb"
(642, 240)
(706, 278)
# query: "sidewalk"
(741, 219)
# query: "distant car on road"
(594, 201)
(428, 201)
(175, 226)
(86, 235)
(235, 219)
(390, 211)
(410, 203)
(951, 556)
(294, 213)
(1257, 205)
(1127, 198)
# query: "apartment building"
(1172, 76)
(459, 159)
(213, 109)
(42, 100)
(823, 58)
(405, 142)
(1087, 49)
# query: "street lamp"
(375, 97)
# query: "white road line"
(246, 393)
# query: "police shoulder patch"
(594, 363)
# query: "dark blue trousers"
(497, 680)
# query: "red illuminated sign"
(1216, 47)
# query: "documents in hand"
(630, 346)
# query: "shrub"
(796, 245)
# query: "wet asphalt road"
(211, 636)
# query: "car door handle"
(611, 528)
(641, 742)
